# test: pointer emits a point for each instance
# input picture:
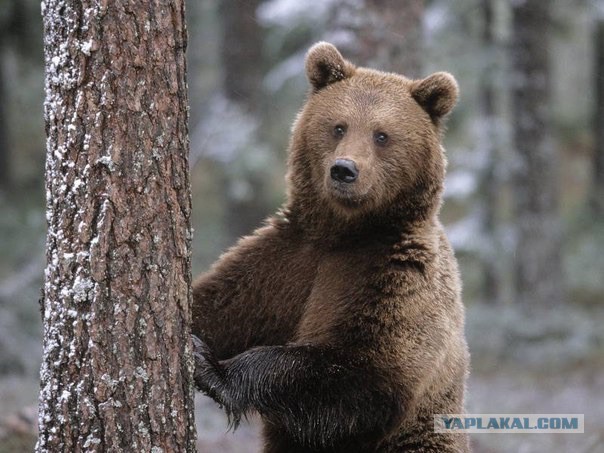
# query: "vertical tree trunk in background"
(6, 26)
(19, 35)
(116, 374)
(5, 173)
(489, 184)
(598, 170)
(241, 52)
(536, 181)
(385, 34)
(241, 55)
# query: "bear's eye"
(339, 131)
(380, 138)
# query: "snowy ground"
(509, 390)
(502, 390)
(579, 390)
(213, 434)
(553, 364)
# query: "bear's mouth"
(347, 194)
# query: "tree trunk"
(598, 168)
(536, 181)
(5, 171)
(489, 183)
(241, 55)
(385, 34)
(116, 372)
(19, 32)
(241, 51)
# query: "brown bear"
(341, 322)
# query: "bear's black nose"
(344, 170)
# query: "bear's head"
(367, 143)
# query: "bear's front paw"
(210, 379)
(208, 371)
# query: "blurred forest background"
(524, 201)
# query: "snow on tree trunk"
(116, 373)
(536, 180)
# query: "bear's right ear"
(436, 94)
(325, 65)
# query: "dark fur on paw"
(208, 372)
(210, 379)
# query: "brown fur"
(341, 321)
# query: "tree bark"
(116, 372)
(535, 178)
(385, 34)
(598, 167)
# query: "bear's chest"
(341, 292)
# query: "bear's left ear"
(436, 94)
(325, 65)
